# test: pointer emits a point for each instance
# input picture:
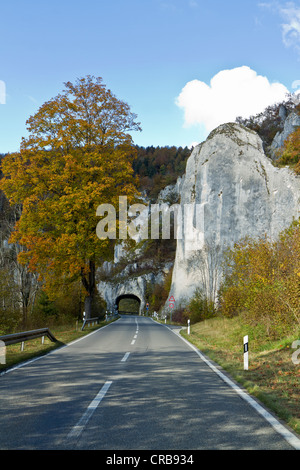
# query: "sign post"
(171, 305)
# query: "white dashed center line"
(77, 430)
(125, 357)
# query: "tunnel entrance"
(128, 304)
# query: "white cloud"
(291, 29)
(290, 13)
(231, 93)
(31, 98)
(296, 84)
(193, 144)
(2, 92)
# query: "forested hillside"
(157, 167)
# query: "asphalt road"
(134, 384)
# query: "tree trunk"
(89, 283)
(88, 301)
(24, 315)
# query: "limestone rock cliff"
(234, 191)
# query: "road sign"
(171, 305)
(172, 301)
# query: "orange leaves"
(78, 155)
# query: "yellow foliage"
(291, 151)
(78, 155)
(262, 281)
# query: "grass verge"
(273, 377)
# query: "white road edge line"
(125, 357)
(30, 361)
(78, 428)
(288, 435)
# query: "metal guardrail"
(97, 319)
(110, 316)
(26, 335)
(90, 320)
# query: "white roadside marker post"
(246, 349)
(188, 327)
(2, 352)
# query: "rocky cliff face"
(234, 191)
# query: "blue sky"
(157, 55)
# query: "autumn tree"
(291, 151)
(78, 155)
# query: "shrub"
(199, 307)
(231, 303)
(178, 315)
(262, 282)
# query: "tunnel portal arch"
(131, 310)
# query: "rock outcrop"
(230, 190)
(291, 122)
(235, 191)
(130, 282)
